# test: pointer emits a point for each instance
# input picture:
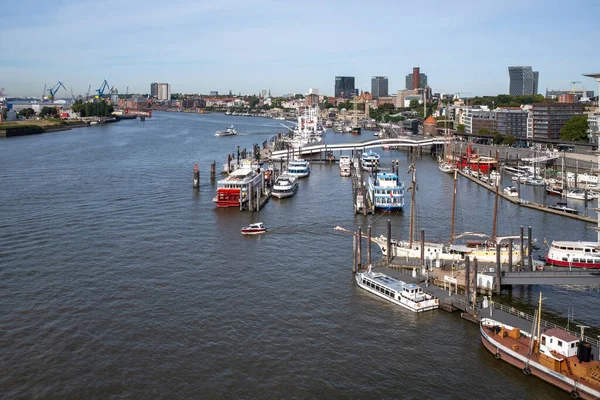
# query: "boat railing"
(544, 324)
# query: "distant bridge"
(321, 148)
(585, 277)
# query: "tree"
(509, 140)
(497, 137)
(27, 112)
(575, 129)
(483, 132)
(414, 104)
(50, 111)
(460, 128)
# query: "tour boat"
(563, 207)
(345, 165)
(234, 190)
(511, 191)
(386, 191)
(254, 229)
(553, 355)
(407, 295)
(285, 185)
(370, 160)
(476, 162)
(298, 168)
(574, 254)
(227, 132)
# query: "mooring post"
(389, 242)
(422, 249)
(510, 255)
(228, 163)
(475, 283)
(213, 170)
(369, 245)
(359, 252)
(238, 155)
(196, 176)
(354, 253)
(468, 279)
(530, 248)
(522, 249)
(498, 267)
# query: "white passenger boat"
(254, 229)
(227, 132)
(511, 191)
(285, 185)
(369, 160)
(574, 254)
(345, 165)
(407, 295)
(233, 190)
(299, 168)
(386, 191)
(308, 130)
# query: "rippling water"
(117, 279)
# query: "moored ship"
(574, 254)
(555, 355)
(475, 162)
(386, 191)
(233, 190)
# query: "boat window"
(551, 340)
(565, 259)
(573, 345)
(559, 343)
(543, 340)
(588, 250)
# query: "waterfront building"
(154, 90)
(164, 91)
(379, 86)
(416, 80)
(512, 121)
(477, 118)
(344, 87)
(523, 81)
(578, 94)
(549, 118)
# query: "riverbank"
(36, 127)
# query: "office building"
(164, 91)
(477, 119)
(154, 90)
(523, 81)
(416, 80)
(549, 118)
(344, 87)
(512, 122)
(379, 86)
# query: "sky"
(464, 46)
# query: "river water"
(117, 279)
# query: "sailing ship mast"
(453, 207)
(413, 187)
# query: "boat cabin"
(413, 292)
(558, 341)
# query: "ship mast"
(495, 204)
(453, 208)
(413, 187)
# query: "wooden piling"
(510, 255)
(422, 248)
(196, 177)
(213, 171)
(530, 248)
(475, 280)
(369, 245)
(354, 253)
(522, 249)
(498, 268)
(359, 252)
(467, 278)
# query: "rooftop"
(560, 334)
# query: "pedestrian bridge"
(586, 277)
(404, 141)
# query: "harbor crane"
(103, 87)
(573, 86)
(44, 94)
(53, 90)
(87, 94)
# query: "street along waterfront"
(118, 278)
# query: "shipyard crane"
(573, 86)
(53, 90)
(103, 87)
(87, 95)
(44, 94)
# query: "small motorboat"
(563, 207)
(554, 190)
(254, 229)
(227, 132)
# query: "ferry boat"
(574, 254)
(285, 185)
(369, 160)
(476, 162)
(386, 191)
(299, 168)
(254, 229)
(227, 132)
(407, 295)
(233, 190)
(553, 355)
(345, 166)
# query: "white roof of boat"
(385, 280)
(567, 243)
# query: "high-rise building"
(164, 91)
(344, 86)
(416, 80)
(523, 81)
(154, 90)
(379, 86)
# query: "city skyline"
(199, 46)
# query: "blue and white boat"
(386, 191)
(369, 160)
(298, 168)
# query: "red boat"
(476, 162)
(254, 229)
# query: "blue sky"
(289, 46)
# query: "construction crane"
(87, 95)
(53, 90)
(44, 94)
(103, 87)
(573, 86)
